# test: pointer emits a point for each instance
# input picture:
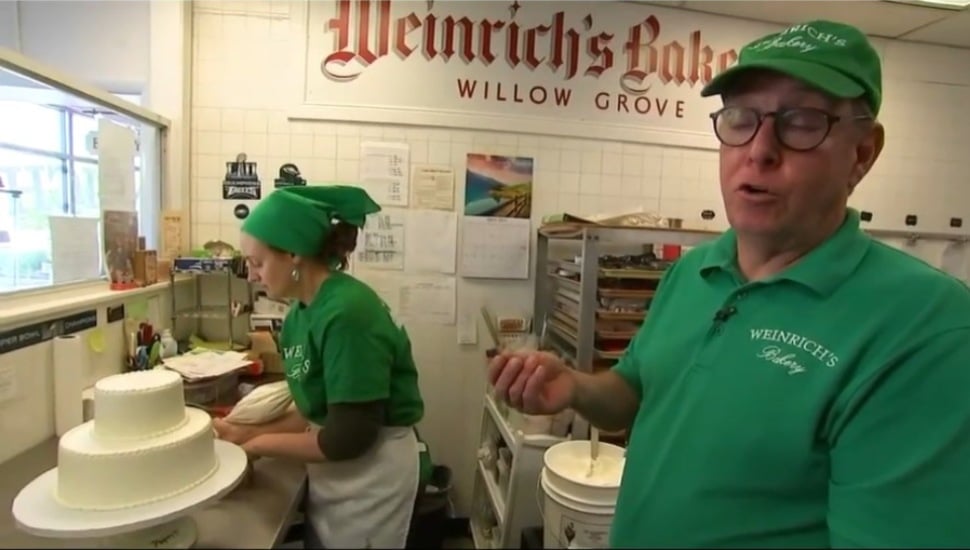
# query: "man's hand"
(533, 382)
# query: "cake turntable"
(161, 524)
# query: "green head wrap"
(298, 219)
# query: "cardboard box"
(146, 267)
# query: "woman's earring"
(295, 274)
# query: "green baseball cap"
(833, 57)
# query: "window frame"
(153, 158)
(69, 158)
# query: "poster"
(498, 186)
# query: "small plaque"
(242, 181)
(289, 176)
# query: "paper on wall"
(381, 242)
(432, 241)
(433, 187)
(384, 172)
(428, 299)
(116, 166)
(495, 248)
(172, 244)
(415, 298)
(467, 328)
(75, 255)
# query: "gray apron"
(366, 502)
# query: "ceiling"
(883, 18)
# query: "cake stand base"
(162, 524)
(178, 534)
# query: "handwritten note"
(116, 166)
(384, 171)
(433, 187)
(381, 242)
(75, 254)
(432, 241)
(495, 248)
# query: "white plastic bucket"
(577, 509)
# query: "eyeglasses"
(800, 129)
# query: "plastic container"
(577, 508)
(220, 390)
(169, 348)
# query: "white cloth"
(366, 502)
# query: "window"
(48, 166)
(31, 126)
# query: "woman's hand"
(251, 448)
(233, 433)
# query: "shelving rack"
(570, 291)
(212, 267)
(503, 504)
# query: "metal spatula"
(594, 448)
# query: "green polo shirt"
(827, 406)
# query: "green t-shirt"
(344, 347)
(827, 406)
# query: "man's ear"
(867, 151)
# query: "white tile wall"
(239, 97)
(27, 418)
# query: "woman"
(348, 366)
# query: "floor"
(461, 542)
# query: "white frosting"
(143, 445)
(138, 405)
(606, 469)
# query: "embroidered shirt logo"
(792, 351)
(296, 362)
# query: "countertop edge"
(257, 514)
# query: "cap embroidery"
(798, 42)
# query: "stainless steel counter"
(256, 514)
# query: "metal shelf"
(197, 268)
(572, 305)
(500, 511)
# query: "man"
(796, 384)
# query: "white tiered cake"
(144, 445)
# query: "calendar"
(495, 248)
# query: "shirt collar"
(822, 270)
